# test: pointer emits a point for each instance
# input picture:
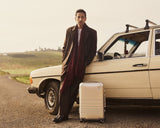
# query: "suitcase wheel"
(101, 121)
(82, 120)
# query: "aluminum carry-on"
(92, 101)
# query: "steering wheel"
(117, 55)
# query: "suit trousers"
(67, 99)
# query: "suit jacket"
(90, 46)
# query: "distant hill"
(29, 60)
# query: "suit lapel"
(73, 31)
(71, 45)
(86, 34)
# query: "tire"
(52, 98)
(101, 121)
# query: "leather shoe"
(59, 118)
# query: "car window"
(157, 42)
(126, 46)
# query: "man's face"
(80, 18)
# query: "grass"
(22, 79)
(18, 71)
(25, 62)
(30, 60)
(3, 73)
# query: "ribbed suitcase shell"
(92, 103)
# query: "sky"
(26, 25)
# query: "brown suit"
(90, 42)
(90, 46)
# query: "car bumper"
(32, 90)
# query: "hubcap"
(51, 98)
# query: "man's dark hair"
(81, 11)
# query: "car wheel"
(52, 98)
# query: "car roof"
(130, 31)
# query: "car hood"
(48, 71)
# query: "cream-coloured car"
(128, 65)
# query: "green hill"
(25, 62)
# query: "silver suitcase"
(92, 101)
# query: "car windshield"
(129, 45)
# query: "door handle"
(139, 65)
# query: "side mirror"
(100, 56)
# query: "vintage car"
(128, 65)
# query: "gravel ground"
(19, 109)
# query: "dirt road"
(19, 109)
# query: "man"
(79, 50)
